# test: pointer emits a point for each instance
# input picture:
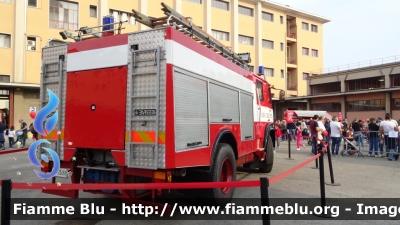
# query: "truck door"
(96, 109)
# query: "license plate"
(145, 112)
(63, 173)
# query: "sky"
(359, 30)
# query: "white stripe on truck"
(98, 58)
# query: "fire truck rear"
(169, 104)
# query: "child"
(11, 133)
(278, 134)
(299, 136)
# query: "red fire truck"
(168, 104)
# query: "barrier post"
(289, 151)
(6, 202)
(266, 218)
(314, 142)
(331, 168)
(322, 184)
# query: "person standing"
(345, 124)
(336, 131)
(373, 137)
(11, 134)
(3, 128)
(292, 131)
(24, 129)
(299, 134)
(284, 130)
(387, 127)
(357, 132)
(314, 129)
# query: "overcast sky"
(359, 30)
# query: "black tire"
(269, 158)
(224, 154)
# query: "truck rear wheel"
(269, 158)
(223, 169)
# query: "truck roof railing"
(186, 26)
(90, 31)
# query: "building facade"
(284, 41)
(362, 92)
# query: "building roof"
(295, 12)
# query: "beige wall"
(364, 115)
(395, 114)
(24, 99)
(310, 40)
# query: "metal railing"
(291, 60)
(357, 65)
(292, 87)
(291, 35)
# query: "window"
(220, 35)
(395, 80)
(122, 16)
(4, 78)
(325, 88)
(396, 104)
(195, 1)
(6, 1)
(282, 74)
(246, 11)
(282, 47)
(268, 44)
(305, 51)
(305, 76)
(314, 53)
(31, 43)
(330, 106)
(366, 105)
(281, 19)
(260, 91)
(32, 3)
(245, 40)
(304, 26)
(314, 28)
(269, 72)
(365, 84)
(5, 41)
(93, 11)
(268, 16)
(220, 4)
(63, 15)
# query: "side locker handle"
(194, 143)
(226, 120)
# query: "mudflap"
(75, 178)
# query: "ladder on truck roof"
(187, 27)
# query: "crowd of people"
(379, 133)
(16, 138)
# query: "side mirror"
(281, 95)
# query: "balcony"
(291, 37)
(292, 87)
(291, 62)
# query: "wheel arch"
(269, 131)
(224, 136)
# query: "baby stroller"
(349, 148)
(19, 133)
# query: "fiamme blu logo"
(38, 124)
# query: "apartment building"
(286, 42)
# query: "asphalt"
(367, 177)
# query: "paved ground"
(367, 177)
